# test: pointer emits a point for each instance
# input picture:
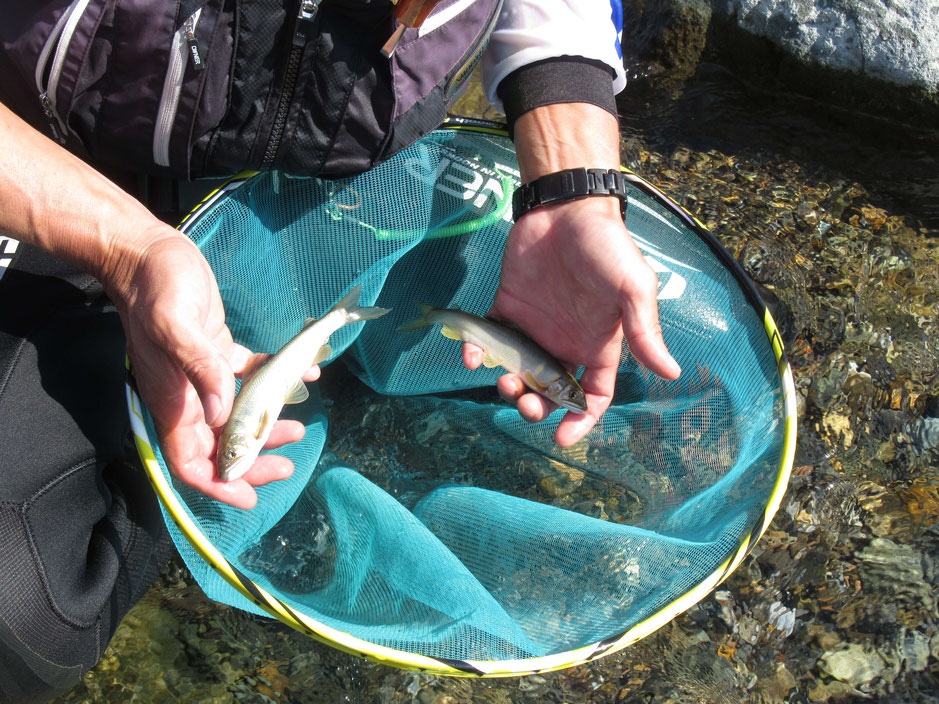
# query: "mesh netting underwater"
(440, 531)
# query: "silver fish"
(508, 348)
(277, 381)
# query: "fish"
(508, 348)
(269, 384)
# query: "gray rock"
(908, 651)
(875, 56)
(912, 650)
(891, 40)
(923, 433)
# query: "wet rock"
(748, 629)
(853, 664)
(827, 385)
(909, 652)
(839, 691)
(683, 35)
(897, 570)
(700, 673)
(777, 689)
(923, 433)
(840, 428)
(665, 39)
(826, 638)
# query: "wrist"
(124, 257)
(570, 185)
(52, 200)
(563, 136)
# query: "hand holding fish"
(575, 282)
(278, 380)
(185, 362)
(572, 278)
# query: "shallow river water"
(836, 217)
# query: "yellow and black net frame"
(501, 668)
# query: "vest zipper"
(302, 25)
(182, 47)
(59, 39)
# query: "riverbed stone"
(890, 568)
(853, 664)
(775, 689)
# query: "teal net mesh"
(424, 514)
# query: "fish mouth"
(233, 469)
(573, 407)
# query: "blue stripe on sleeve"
(616, 16)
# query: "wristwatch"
(570, 184)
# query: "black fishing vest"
(208, 88)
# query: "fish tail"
(418, 322)
(353, 311)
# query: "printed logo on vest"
(8, 248)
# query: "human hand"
(165, 292)
(576, 283)
(185, 362)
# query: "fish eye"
(230, 453)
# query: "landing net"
(438, 530)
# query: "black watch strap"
(570, 184)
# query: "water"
(836, 216)
(894, 163)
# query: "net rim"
(482, 668)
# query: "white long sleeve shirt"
(532, 30)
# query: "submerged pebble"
(853, 664)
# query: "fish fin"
(453, 334)
(251, 368)
(418, 322)
(298, 393)
(489, 362)
(349, 301)
(531, 382)
(325, 353)
(366, 313)
(353, 312)
(263, 421)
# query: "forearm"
(566, 136)
(51, 199)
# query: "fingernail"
(677, 368)
(212, 408)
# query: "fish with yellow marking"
(507, 348)
(277, 381)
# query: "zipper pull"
(304, 23)
(408, 13)
(193, 45)
(50, 114)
